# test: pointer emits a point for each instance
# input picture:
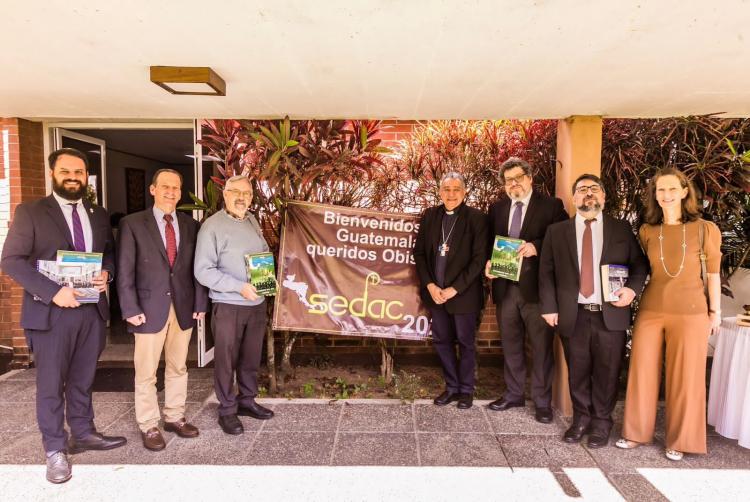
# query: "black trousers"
(447, 329)
(520, 322)
(238, 332)
(65, 357)
(594, 356)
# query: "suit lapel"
(96, 236)
(570, 238)
(153, 230)
(606, 236)
(53, 208)
(182, 225)
(503, 214)
(529, 214)
(458, 230)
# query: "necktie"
(587, 262)
(78, 241)
(171, 240)
(515, 224)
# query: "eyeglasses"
(239, 193)
(515, 179)
(588, 188)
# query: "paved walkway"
(356, 450)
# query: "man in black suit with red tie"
(592, 328)
(524, 214)
(450, 252)
(65, 336)
(160, 300)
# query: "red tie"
(587, 262)
(171, 240)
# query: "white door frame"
(61, 133)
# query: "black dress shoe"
(446, 397)
(231, 424)
(574, 433)
(598, 439)
(95, 441)
(503, 404)
(465, 401)
(255, 410)
(543, 415)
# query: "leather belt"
(591, 307)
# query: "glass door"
(95, 150)
(205, 337)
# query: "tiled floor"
(357, 433)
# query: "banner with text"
(349, 271)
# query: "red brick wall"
(21, 145)
(394, 131)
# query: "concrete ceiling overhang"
(383, 59)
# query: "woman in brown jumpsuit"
(674, 318)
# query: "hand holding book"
(506, 258)
(614, 290)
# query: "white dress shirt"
(597, 238)
(525, 202)
(67, 211)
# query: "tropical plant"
(324, 161)
(475, 149)
(713, 152)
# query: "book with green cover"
(505, 262)
(261, 273)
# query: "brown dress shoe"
(153, 440)
(182, 428)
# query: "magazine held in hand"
(75, 270)
(614, 277)
(506, 262)
(261, 273)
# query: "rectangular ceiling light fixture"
(189, 80)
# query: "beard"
(69, 193)
(584, 208)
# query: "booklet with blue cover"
(76, 270)
(614, 277)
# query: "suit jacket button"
(169, 293)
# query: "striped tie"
(78, 241)
(171, 240)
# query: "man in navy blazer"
(65, 336)
(524, 214)
(160, 300)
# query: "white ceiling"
(409, 59)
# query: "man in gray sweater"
(238, 315)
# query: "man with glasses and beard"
(65, 336)
(524, 214)
(592, 329)
(238, 315)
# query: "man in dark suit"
(160, 299)
(524, 214)
(450, 252)
(592, 328)
(65, 336)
